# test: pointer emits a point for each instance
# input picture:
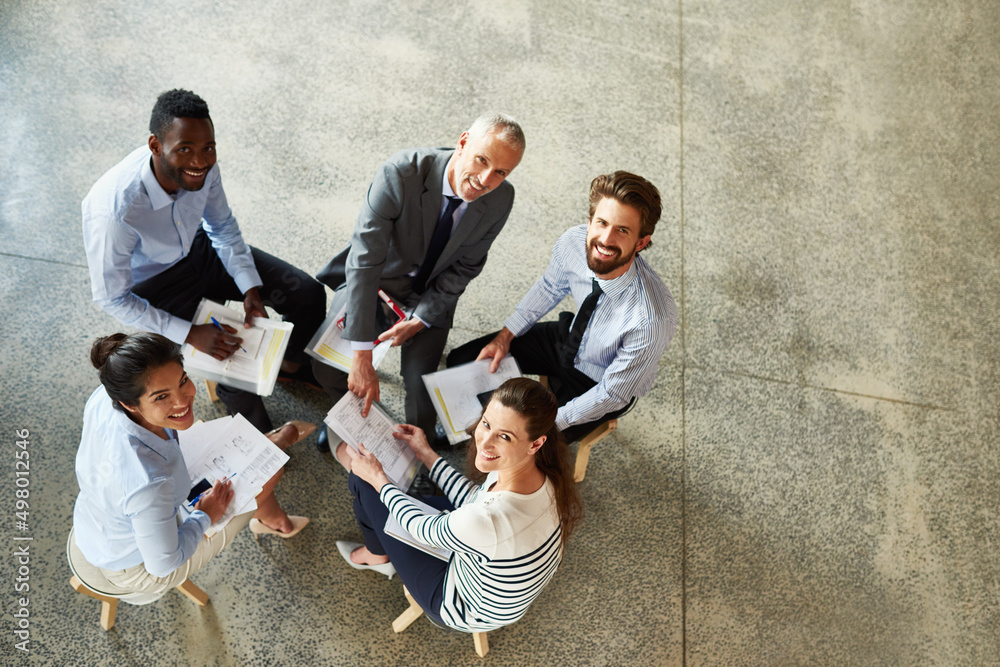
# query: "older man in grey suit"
(423, 233)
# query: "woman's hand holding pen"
(215, 501)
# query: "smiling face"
(613, 238)
(166, 402)
(480, 164)
(181, 160)
(502, 443)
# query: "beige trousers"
(137, 586)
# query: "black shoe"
(323, 441)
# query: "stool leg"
(109, 610)
(412, 613)
(210, 387)
(192, 592)
(109, 605)
(482, 643)
(582, 458)
(591, 439)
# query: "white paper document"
(254, 367)
(455, 392)
(394, 528)
(375, 431)
(229, 447)
(332, 349)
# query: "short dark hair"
(125, 362)
(176, 103)
(538, 407)
(629, 190)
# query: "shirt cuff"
(517, 324)
(177, 329)
(247, 280)
(561, 422)
(421, 320)
(202, 518)
(386, 490)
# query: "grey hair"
(503, 126)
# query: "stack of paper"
(255, 366)
(375, 431)
(228, 447)
(455, 391)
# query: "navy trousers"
(422, 574)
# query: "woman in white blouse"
(133, 518)
(506, 535)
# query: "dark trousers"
(201, 275)
(422, 573)
(537, 352)
(419, 355)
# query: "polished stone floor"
(812, 481)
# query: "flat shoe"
(298, 523)
(347, 548)
(303, 430)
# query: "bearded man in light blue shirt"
(602, 359)
(160, 237)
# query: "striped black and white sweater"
(506, 546)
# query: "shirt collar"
(145, 436)
(158, 197)
(617, 286)
(447, 191)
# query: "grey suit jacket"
(393, 232)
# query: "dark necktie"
(440, 239)
(572, 344)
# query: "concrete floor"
(812, 480)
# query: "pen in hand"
(223, 330)
(199, 496)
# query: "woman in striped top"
(506, 534)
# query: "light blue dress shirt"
(133, 230)
(132, 485)
(630, 329)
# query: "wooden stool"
(413, 612)
(591, 439)
(109, 601)
(588, 441)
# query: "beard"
(176, 175)
(601, 265)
